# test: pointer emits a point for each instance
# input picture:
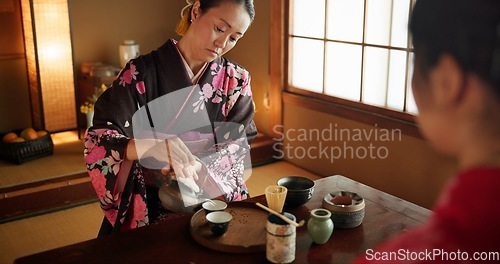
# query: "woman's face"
(216, 31)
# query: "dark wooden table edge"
(390, 202)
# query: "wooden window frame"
(282, 92)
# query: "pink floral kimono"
(224, 93)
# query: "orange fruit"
(9, 137)
(41, 133)
(29, 134)
(18, 139)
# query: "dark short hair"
(468, 30)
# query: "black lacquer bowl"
(300, 190)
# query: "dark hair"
(468, 30)
(205, 5)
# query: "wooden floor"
(48, 231)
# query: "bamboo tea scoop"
(284, 218)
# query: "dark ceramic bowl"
(219, 222)
(300, 190)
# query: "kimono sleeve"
(105, 152)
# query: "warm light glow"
(51, 52)
(50, 64)
(65, 137)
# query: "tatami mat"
(44, 232)
(67, 159)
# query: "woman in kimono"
(127, 171)
(456, 84)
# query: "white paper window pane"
(307, 64)
(343, 70)
(308, 18)
(345, 20)
(397, 80)
(411, 106)
(375, 76)
(378, 18)
(400, 13)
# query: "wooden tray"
(246, 232)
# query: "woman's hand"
(172, 156)
(183, 163)
(181, 158)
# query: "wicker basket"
(20, 152)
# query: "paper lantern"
(50, 64)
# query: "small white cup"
(213, 206)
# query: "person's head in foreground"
(456, 80)
(456, 85)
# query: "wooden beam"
(276, 61)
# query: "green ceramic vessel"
(320, 225)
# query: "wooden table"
(171, 242)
